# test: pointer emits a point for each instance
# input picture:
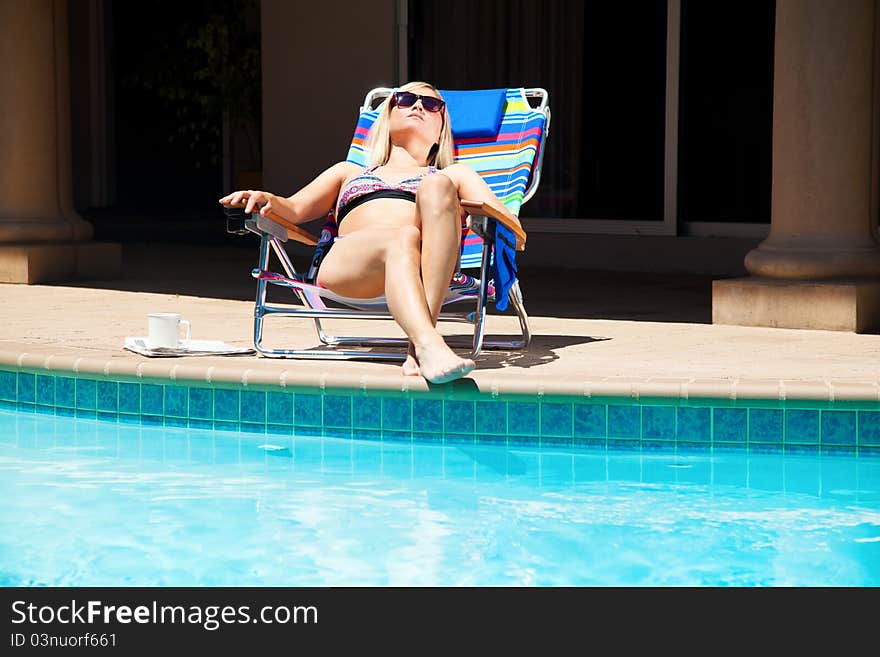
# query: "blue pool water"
(94, 503)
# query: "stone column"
(41, 236)
(820, 265)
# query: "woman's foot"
(439, 364)
(411, 365)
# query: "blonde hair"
(378, 144)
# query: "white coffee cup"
(164, 330)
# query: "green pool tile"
(649, 445)
(838, 428)
(252, 427)
(108, 396)
(367, 412)
(627, 444)
(392, 436)
(45, 390)
(8, 387)
(730, 425)
(805, 450)
(433, 437)
(693, 447)
(458, 417)
(838, 450)
(801, 427)
(337, 411)
(123, 418)
(176, 401)
(176, 422)
(129, 398)
(27, 388)
(624, 422)
(86, 394)
(65, 391)
(307, 409)
(226, 405)
(280, 429)
(555, 441)
(396, 414)
(464, 439)
(491, 417)
(591, 443)
(869, 428)
(522, 418)
(253, 406)
(279, 408)
(225, 425)
(491, 438)
(556, 420)
(693, 424)
(765, 425)
(733, 448)
(658, 423)
(590, 422)
(766, 448)
(201, 403)
(198, 423)
(152, 400)
(152, 420)
(366, 434)
(427, 415)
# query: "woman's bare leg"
(369, 262)
(437, 214)
(436, 361)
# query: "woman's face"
(416, 119)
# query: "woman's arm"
(477, 198)
(311, 202)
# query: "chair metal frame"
(273, 235)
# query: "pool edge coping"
(726, 391)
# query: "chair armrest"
(504, 217)
(294, 232)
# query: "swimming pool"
(89, 502)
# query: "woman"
(399, 222)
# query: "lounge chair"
(506, 147)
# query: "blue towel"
(503, 263)
(475, 113)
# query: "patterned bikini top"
(369, 183)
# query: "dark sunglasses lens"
(432, 104)
(405, 99)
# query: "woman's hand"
(251, 200)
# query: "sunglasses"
(408, 99)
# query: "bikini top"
(367, 185)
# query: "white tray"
(186, 348)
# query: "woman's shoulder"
(458, 171)
(347, 168)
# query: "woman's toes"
(410, 367)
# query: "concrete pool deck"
(630, 335)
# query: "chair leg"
(477, 343)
